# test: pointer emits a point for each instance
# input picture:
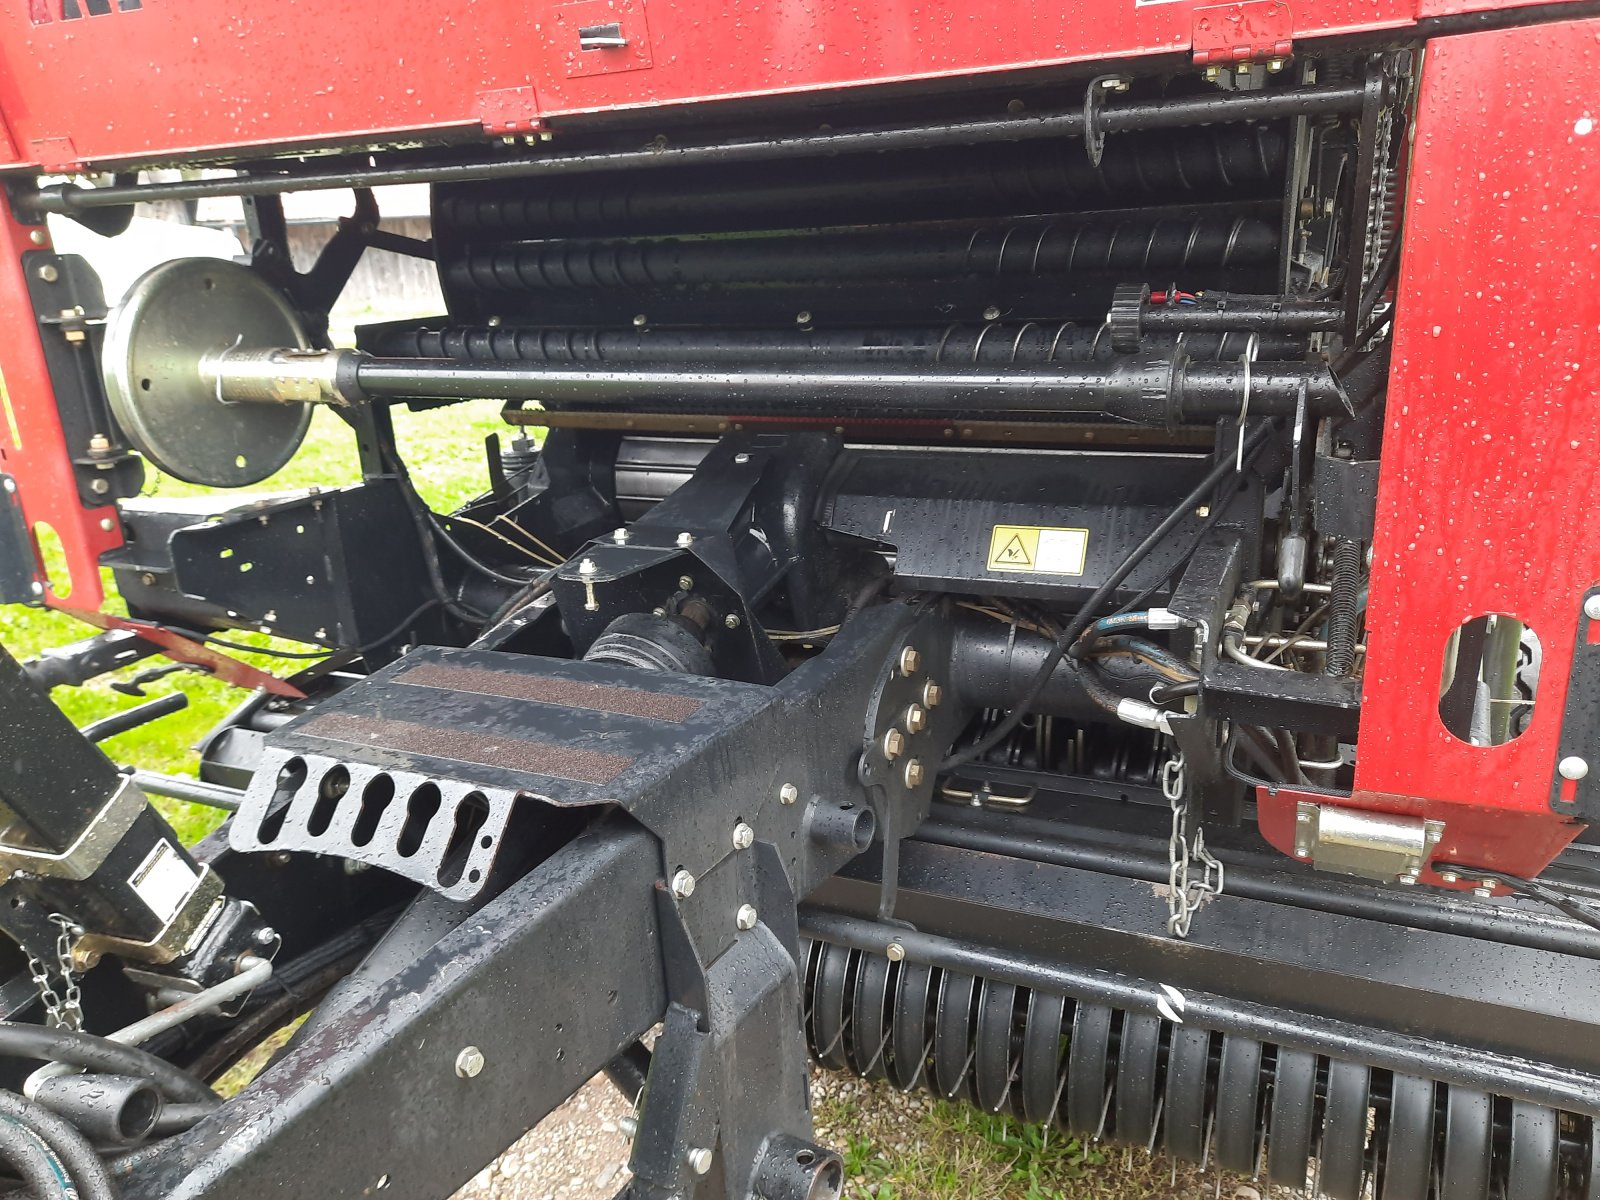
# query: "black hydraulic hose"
(87, 1172)
(101, 1054)
(43, 1174)
(177, 1118)
(1197, 495)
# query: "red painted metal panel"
(171, 78)
(1491, 455)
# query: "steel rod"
(1161, 114)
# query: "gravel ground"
(904, 1147)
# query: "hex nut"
(932, 694)
(682, 884)
(910, 661)
(895, 952)
(685, 583)
(894, 744)
(746, 917)
(743, 836)
(731, 621)
(914, 773)
(916, 718)
(469, 1063)
(788, 794)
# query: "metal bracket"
(193, 917)
(83, 858)
(1372, 845)
(18, 584)
(1254, 29)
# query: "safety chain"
(1185, 895)
(64, 1009)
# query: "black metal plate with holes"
(17, 582)
(550, 980)
(441, 833)
(1580, 723)
(338, 568)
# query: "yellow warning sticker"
(1038, 548)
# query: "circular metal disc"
(172, 318)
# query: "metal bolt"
(107, 524)
(1303, 816)
(741, 459)
(685, 540)
(1275, 65)
(914, 773)
(685, 582)
(682, 884)
(629, 1126)
(37, 237)
(48, 273)
(1406, 880)
(916, 718)
(1591, 607)
(36, 588)
(266, 935)
(469, 1063)
(803, 317)
(700, 1160)
(788, 794)
(99, 444)
(910, 661)
(1115, 85)
(493, 322)
(932, 693)
(587, 567)
(99, 486)
(991, 313)
(619, 536)
(731, 621)
(894, 744)
(1449, 876)
(746, 917)
(148, 579)
(1211, 74)
(1483, 893)
(11, 485)
(743, 836)
(640, 321)
(895, 952)
(1300, 853)
(1572, 767)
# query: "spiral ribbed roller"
(1221, 1099)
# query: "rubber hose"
(176, 1118)
(43, 1174)
(1344, 608)
(83, 1165)
(101, 1054)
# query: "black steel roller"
(1209, 163)
(1219, 1098)
(1135, 246)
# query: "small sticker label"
(1038, 548)
(163, 881)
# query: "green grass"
(444, 448)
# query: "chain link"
(1185, 895)
(63, 1009)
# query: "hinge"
(1253, 29)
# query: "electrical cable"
(43, 1174)
(101, 1055)
(82, 1164)
(469, 558)
(1531, 888)
(353, 652)
(1220, 470)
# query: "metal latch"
(1372, 845)
(601, 37)
(83, 858)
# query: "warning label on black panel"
(1038, 548)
